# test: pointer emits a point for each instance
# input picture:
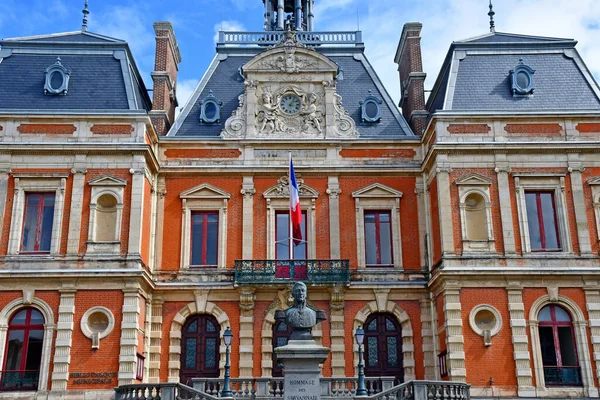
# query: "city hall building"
(461, 232)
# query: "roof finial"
(491, 14)
(85, 12)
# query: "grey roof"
(358, 78)
(475, 76)
(103, 73)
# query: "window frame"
(531, 182)
(39, 223)
(541, 223)
(378, 238)
(306, 237)
(37, 183)
(139, 366)
(205, 213)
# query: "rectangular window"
(542, 222)
(204, 238)
(37, 224)
(442, 361)
(139, 368)
(282, 237)
(378, 238)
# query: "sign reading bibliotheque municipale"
(92, 378)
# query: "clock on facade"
(290, 104)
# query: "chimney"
(412, 77)
(164, 98)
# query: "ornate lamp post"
(361, 390)
(227, 338)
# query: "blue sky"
(196, 22)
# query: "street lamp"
(227, 338)
(361, 390)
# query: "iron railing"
(160, 391)
(273, 271)
(19, 380)
(562, 376)
(268, 38)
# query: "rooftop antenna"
(491, 14)
(85, 12)
(357, 19)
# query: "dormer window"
(210, 109)
(57, 79)
(371, 109)
(522, 79)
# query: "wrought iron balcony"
(282, 271)
(562, 376)
(269, 38)
(19, 380)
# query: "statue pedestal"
(302, 376)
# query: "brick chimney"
(412, 77)
(164, 99)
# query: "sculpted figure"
(300, 317)
(269, 115)
(310, 113)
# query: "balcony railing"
(269, 38)
(282, 271)
(19, 380)
(562, 376)
(160, 391)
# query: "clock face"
(290, 104)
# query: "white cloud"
(229, 25)
(185, 89)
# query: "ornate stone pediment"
(107, 180)
(377, 190)
(474, 179)
(290, 94)
(204, 191)
(282, 189)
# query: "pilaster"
(135, 213)
(518, 326)
(334, 191)
(338, 348)
(502, 171)
(454, 337)
(421, 215)
(64, 339)
(592, 300)
(161, 190)
(156, 321)
(445, 205)
(129, 330)
(4, 174)
(583, 234)
(247, 298)
(248, 192)
(76, 211)
(427, 333)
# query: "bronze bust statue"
(300, 317)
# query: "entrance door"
(199, 348)
(383, 347)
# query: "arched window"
(557, 342)
(476, 218)
(24, 344)
(281, 333)
(106, 218)
(199, 348)
(383, 347)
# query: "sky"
(196, 23)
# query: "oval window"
(371, 109)
(56, 80)
(210, 111)
(523, 80)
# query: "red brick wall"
(112, 129)
(469, 128)
(47, 129)
(534, 129)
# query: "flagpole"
(290, 207)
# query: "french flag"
(295, 212)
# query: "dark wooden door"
(199, 348)
(281, 333)
(383, 347)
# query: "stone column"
(454, 336)
(280, 15)
(583, 234)
(64, 339)
(247, 298)
(334, 191)
(421, 213)
(427, 333)
(502, 171)
(129, 333)
(518, 326)
(4, 174)
(76, 211)
(135, 212)
(248, 192)
(445, 207)
(155, 340)
(336, 333)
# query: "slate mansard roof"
(103, 74)
(475, 76)
(357, 78)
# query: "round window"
(56, 80)
(371, 109)
(210, 111)
(485, 318)
(523, 80)
(98, 322)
